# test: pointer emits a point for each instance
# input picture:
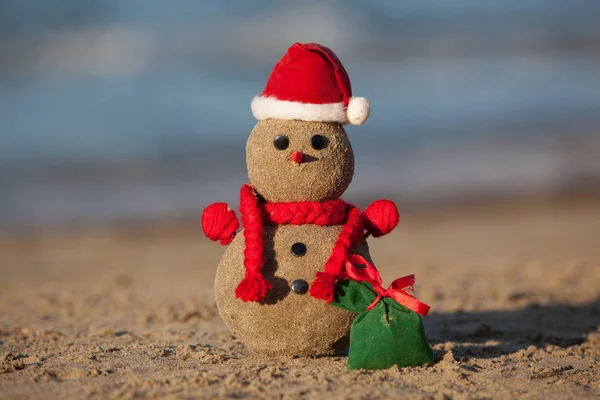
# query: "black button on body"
(298, 249)
(300, 286)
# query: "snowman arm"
(380, 218)
(219, 222)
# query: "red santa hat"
(310, 83)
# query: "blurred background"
(135, 110)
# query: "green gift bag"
(388, 331)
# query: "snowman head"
(293, 160)
(299, 150)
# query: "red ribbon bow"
(360, 270)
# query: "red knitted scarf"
(256, 213)
(219, 222)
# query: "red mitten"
(219, 223)
(380, 217)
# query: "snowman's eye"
(318, 142)
(281, 142)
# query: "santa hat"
(310, 83)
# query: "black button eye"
(298, 249)
(318, 142)
(281, 142)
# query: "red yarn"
(331, 212)
(254, 214)
(349, 237)
(323, 287)
(254, 287)
(219, 223)
(381, 217)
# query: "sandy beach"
(129, 312)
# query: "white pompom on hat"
(358, 110)
(310, 83)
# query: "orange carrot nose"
(297, 157)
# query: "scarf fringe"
(323, 287)
(253, 287)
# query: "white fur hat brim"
(356, 113)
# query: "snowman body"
(288, 322)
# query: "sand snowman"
(279, 272)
